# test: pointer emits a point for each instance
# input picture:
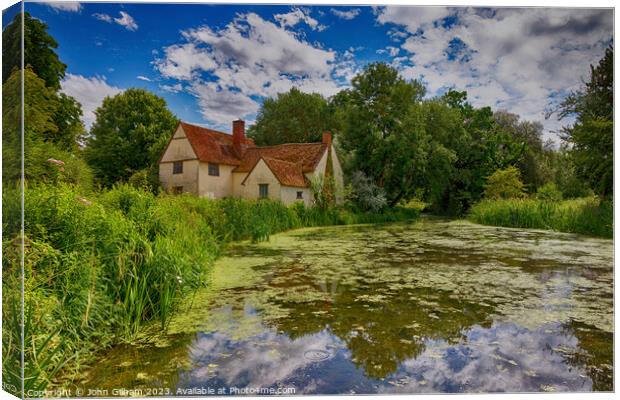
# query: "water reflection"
(431, 307)
(517, 359)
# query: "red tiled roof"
(307, 154)
(287, 173)
(288, 162)
(213, 146)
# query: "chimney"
(238, 134)
(327, 138)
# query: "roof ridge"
(207, 129)
(287, 144)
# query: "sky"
(216, 63)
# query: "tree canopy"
(591, 136)
(129, 134)
(39, 50)
(291, 117)
(49, 134)
(383, 130)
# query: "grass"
(98, 269)
(587, 216)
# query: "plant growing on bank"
(588, 216)
(505, 184)
(549, 192)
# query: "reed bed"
(587, 216)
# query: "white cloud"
(103, 17)
(514, 59)
(221, 105)
(230, 69)
(143, 78)
(71, 6)
(346, 14)
(127, 21)
(412, 18)
(176, 88)
(296, 16)
(89, 92)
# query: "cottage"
(214, 164)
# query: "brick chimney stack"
(238, 134)
(327, 138)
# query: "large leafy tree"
(480, 147)
(129, 134)
(384, 132)
(591, 136)
(535, 162)
(39, 50)
(46, 135)
(291, 117)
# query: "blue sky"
(216, 63)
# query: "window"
(177, 189)
(214, 169)
(263, 190)
(177, 167)
(300, 195)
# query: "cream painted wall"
(179, 149)
(261, 174)
(215, 187)
(188, 179)
(288, 195)
(238, 188)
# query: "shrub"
(549, 192)
(504, 184)
(365, 194)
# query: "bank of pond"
(587, 216)
(100, 266)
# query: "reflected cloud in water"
(504, 357)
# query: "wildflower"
(55, 161)
(179, 279)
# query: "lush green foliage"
(588, 216)
(535, 159)
(504, 184)
(291, 117)
(51, 130)
(384, 132)
(129, 134)
(39, 50)
(549, 192)
(591, 136)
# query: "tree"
(591, 136)
(505, 184)
(384, 131)
(535, 159)
(67, 118)
(480, 146)
(39, 50)
(291, 117)
(129, 135)
(46, 134)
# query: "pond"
(423, 307)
